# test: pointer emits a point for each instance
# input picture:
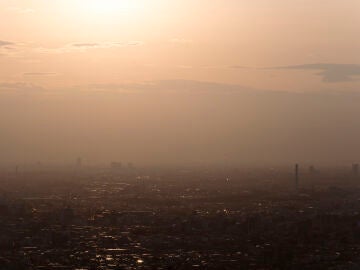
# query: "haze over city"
(179, 134)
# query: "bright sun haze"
(179, 80)
(108, 7)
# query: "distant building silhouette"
(355, 169)
(79, 162)
(130, 165)
(312, 170)
(116, 165)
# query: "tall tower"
(296, 176)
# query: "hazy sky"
(74, 42)
(79, 76)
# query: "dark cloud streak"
(4, 43)
(331, 73)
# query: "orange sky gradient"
(180, 81)
(135, 41)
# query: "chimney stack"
(296, 176)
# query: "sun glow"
(103, 8)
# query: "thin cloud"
(215, 67)
(4, 43)
(8, 48)
(330, 73)
(39, 74)
(133, 43)
(82, 47)
(20, 87)
(86, 45)
(14, 49)
(170, 86)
